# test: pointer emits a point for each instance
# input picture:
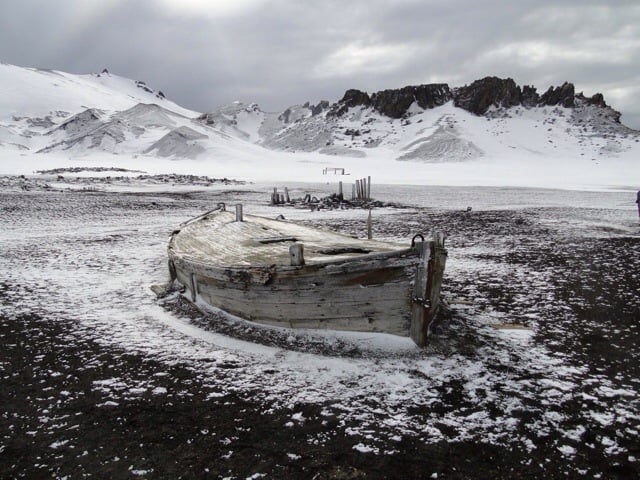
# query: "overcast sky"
(204, 53)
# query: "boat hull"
(392, 292)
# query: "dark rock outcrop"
(530, 97)
(284, 116)
(396, 103)
(489, 91)
(352, 98)
(563, 95)
(318, 109)
(597, 100)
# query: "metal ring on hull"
(413, 240)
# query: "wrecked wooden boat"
(277, 272)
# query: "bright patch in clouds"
(211, 8)
(539, 53)
(355, 58)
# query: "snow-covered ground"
(542, 389)
(269, 166)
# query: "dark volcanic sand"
(577, 286)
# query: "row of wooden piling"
(279, 198)
(361, 190)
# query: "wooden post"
(436, 272)
(369, 188)
(419, 308)
(427, 285)
(340, 196)
(353, 191)
(297, 254)
(274, 196)
(369, 231)
(286, 194)
(239, 212)
(193, 287)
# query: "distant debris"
(56, 171)
(105, 71)
(335, 171)
(94, 184)
(334, 202)
(360, 198)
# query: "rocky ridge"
(477, 98)
(360, 122)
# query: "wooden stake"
(297, 254)
(369, 231)
(239, 212)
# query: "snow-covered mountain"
(51, 112)
(435, 123)
(488, 128)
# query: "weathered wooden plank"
(382, 317)
(343, 274)
(393, 291)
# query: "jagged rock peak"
(563, 95)
(319, 108)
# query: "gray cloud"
(276, 53)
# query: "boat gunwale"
(407, 252)
(413, 249)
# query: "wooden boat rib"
(280, 273)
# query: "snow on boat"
(276, 272)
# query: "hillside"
(489, 132)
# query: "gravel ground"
(101, 379)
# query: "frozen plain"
(558, 398)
